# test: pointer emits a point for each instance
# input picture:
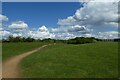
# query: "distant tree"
(29, 39)
(117, 40)
(81, 40)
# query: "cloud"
(98, 14)
(19, 28)
(18, 25)
(60, 29)
(77, 28)
(88, 21)
(3, 18)
(68, 32)
(64, 36)
(92, 18)
(43, 29)
(41, 33)
(108, 35)
(101, 0)
(88, 35)
(0, 24)
(94, 14)
(4, 34)
(69, 21)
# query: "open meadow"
(96, 60)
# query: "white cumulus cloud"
(19, 28)
(4, 34)
(3, 18)
(41, 33)
(76, 28)
(92, 18)
(69, 21)
(64, 36)
(108, 35)
(18, 25)
(94, 14)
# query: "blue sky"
(60, 20)
(40, 13)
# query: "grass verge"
(12, 49)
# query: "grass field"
(97, 60)
(0, 51)
(12, 49)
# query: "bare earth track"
(11, 68)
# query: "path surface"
(11, 68)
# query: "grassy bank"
(12, 49)
(97, 60)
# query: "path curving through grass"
(11, 68)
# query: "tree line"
(29, 39)
(77, 40)
(81, 40)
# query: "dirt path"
(11, 69)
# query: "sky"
(39, 13)
(59, 20)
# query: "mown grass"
(12, 49)
(97, 60)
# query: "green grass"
(0, 51)
(97, 60)
(12, 49)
